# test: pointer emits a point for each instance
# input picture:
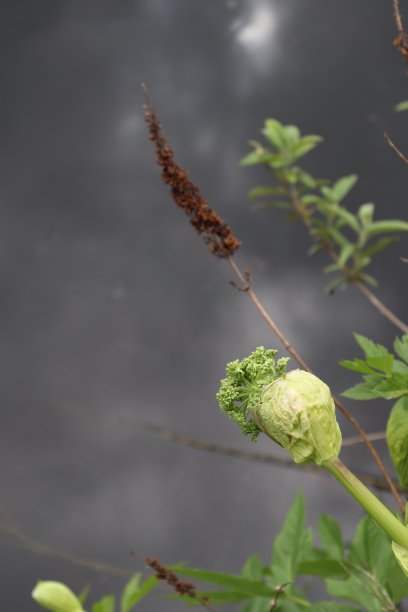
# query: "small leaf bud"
(56, 597)
(298, 412)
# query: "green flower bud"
(298, 412)
(56, 597)
(295, 409)
(397, 439)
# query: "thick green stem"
(371, 504)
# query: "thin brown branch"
(17, 537)
(395, 148)
(219, 449)
(386, 312)
(374, 437)
(397, 17)
(252, 295)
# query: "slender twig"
(395, 148)
(397, 17)
(17, 537)
(386, 312)
(219, 449)
(252, 295)
(374, 437)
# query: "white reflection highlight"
(255, 33)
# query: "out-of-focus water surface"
(110, 303)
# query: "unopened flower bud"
(397, 439)
(298, 412)
(56, 597)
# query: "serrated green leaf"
(401, 347)
(389, 225)
(106, 604)
(362, 391)
(354, 591)
(401, 106)
(291, 543)
(377, 355)
(331, 537)
(343, 186)
(371, 549)
(358, 365)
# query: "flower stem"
(371, 504)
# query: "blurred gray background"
(111, 303)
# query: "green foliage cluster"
(363, 572)
(134, 591)
(350, 239)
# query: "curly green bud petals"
(401, 555)
(397, 439)
(297, 411)
(56, 597)
(242, 389)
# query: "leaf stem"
(371, 504)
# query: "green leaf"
(384, 227)
(354, 591)
(332, 606)
(84, 593)
(291, 543)
(253, 568)
(397, 582)
(305, 144)
(292, 134)
(379, 245)
(371, 549)
(339, 281)
(275, 132)
(358, 365)
(260, 191)
(327, 568)
(365, 213)
(134, 591)
(106, 604)
(401, 106)
(345, 253)
(257, 157)
(377, 355)
(331, 537)
(362, 391)
(401, 347)
(368, 279)
(343, 186)
(228, 581)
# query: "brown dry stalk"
(195, 206)
(180, 587)
(217, 235)
(401, 42)
(395, 148)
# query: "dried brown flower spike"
(217, 235)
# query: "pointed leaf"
(401, 347)
(106, 604)
(331, 537)
(342, 187)
(384, 227)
